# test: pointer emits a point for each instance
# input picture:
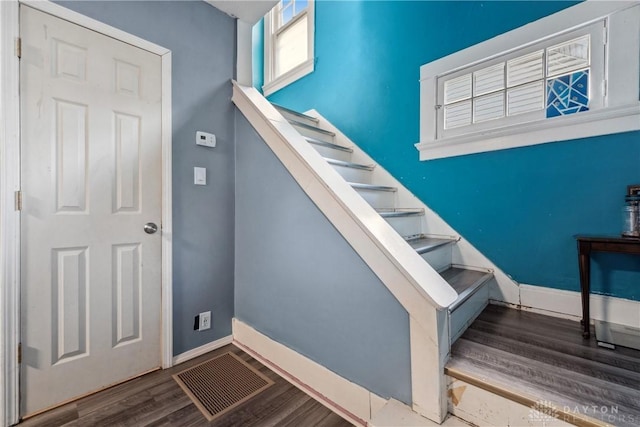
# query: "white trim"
(587, 124)
(289, 77)
(567, 304)
(167, 215)
(203, 349)
(272, 83)
(9, 217)
(619, 113)
(347, 399)
(94, 25)
(10, 181)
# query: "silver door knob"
(150, 228)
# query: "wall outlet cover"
(205, 321)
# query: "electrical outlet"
(205, 321)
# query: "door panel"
(91, 179)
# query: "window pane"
(488, 107)
(568, 94)
(526, 98)
(457, 115)
(457, 89)
(488, 79)
(568, 56)
(525, 69)
(300, 5)
(287, 14)
(291, 47)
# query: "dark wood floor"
(546, 359)
(157, 400)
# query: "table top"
(608, 239)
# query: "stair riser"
(297, 118)
(466, 313)
(406, 226)
(313, 134)
(353, 175)
(378, 199)
(439, 258)
(332, 153)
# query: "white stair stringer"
(502, 288)
(423, 293)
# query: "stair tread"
(310, 127)
(399, 212)
(373, 187)
(346, 164)
(465, 282)
(462, 279)
(426, 244)
(529, 364)
(296, 113)
(328, 144)
(519, 389)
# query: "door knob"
(150, 228)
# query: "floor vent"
(222, 383)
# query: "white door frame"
(10, 183)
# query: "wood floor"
(546, 359)
(156, 400)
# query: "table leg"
(584, 259)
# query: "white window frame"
(620, 108)
(273, 83)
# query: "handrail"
(385, 251)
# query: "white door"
(91, 180)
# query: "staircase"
(511, 367)
(438, 277)
(408, 220)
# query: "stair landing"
(537, 360)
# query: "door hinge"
(19, 353)
(19, 47)
(18, 195)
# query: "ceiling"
(249, 11)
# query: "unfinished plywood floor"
(157, 400)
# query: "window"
(288, 43)
(530, 86)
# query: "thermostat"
(206, 139)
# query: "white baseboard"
(199, 351)
(349, 400)
(567, 304)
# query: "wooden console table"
(588, 244)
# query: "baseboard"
(349, 400)
(199, 351)
(567, 304)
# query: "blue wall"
(202, 41)
(299, 282)
(520, 207)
